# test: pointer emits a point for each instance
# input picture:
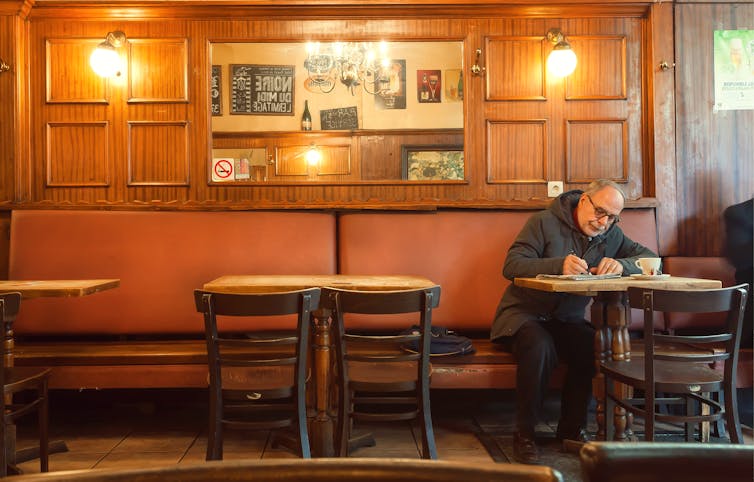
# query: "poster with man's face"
(734, 69)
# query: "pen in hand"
(573, 264)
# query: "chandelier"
(354, 64)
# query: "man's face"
(596, 212)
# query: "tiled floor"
(139, 429)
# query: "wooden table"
(611, 317)
(322, 424)
(40, 289)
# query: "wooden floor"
(136, 429)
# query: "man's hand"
(572, 264)
(607, 266)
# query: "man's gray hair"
(600, 184)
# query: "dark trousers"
(538, 348)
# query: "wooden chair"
(257, 381)
(21, 379)
(683, 375)
(666, 462)
(316, 470)
(382, 382)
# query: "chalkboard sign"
(344, 118)
(216, 90)
(262, 89)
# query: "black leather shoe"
(525, 449)
(579, 435)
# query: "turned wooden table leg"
(322, 424)
(617, 316)
(601, 352)
(611, 341)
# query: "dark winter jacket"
(540, 248)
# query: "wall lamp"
(3, 66)
(105, 61)
(313, 156)
(562, 60)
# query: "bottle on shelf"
(306, 118)
(425, 88)
(460, 86)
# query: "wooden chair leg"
(704, 427)
(44, 445)
(731, 415)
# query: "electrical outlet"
(554, 188)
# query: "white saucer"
(650, 276)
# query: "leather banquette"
(147, 334)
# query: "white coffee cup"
(649, 266)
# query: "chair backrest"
(420, 301)
(9, 305)
(318, 470)
(246, 350)
(666, 462)
(723, 345)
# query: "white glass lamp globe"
(561, 62)
(105, 61)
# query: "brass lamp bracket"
(477, 69)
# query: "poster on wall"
(734, 69)
(261, 89)
(216, 90)
(428, 86)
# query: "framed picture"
(261, 89)
(432, 163)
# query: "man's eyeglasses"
(600, 213)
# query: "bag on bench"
(444, 342)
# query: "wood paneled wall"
(155, 136)
(715, 150)
(151, 123)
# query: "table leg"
(322, 424)
(610, 315)
(601, 352)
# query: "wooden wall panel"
(77, 154)
(715, 149)
(158, 153)
(158, 70)
(597, 149)
(517, 151)
(165, 185)
(68, 72)
(8, 119)
(605, 86)
(602, 68)
(508, 61)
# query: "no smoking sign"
(222, 169)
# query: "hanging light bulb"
(562, 59)
(105, 60)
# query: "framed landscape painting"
(432, 163)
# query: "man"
(578, 233)
(739, 249)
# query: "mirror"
(379, 111)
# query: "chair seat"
(669, 376)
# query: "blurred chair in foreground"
(316, 470)
(666, 462)
(382, 382)
(682, 376)
(257, 381)
(16, 380)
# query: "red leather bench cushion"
(462, 251)
(710, 267)
(160, 258)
